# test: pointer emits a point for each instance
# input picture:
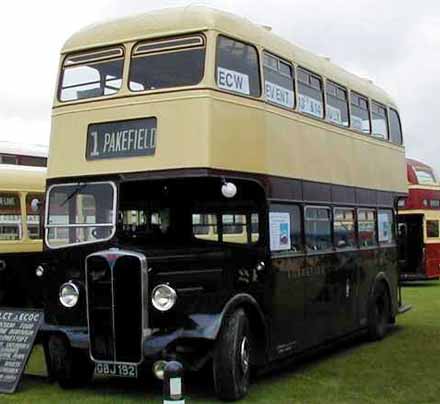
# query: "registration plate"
(117, 369)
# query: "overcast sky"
(394, 43)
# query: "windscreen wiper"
(75, 192)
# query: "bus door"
(411, 243)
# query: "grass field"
(404, 368)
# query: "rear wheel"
(232, 357)
(379, 313)
(70, 367)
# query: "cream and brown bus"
(182, 123)
(21, 242)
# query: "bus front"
(147, 240)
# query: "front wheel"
(379, 313)
(232, 357)
(70, 367)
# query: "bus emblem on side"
(121, 139)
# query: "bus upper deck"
(194, 87)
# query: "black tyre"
(70, 367)
(379, 313)
(232, 357)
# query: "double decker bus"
(32, 155)
(419, 229)
(21, 243)
(216, 195)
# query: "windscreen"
(167, 63)
(80, 213)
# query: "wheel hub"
(244, 355)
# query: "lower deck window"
(285, 228)
(318, 228)
(344, 228)
(385, 224)
(10, 217)
(432, 229)
(367, 227)
(33, 217)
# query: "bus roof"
(172, 21)
(22, 178)
(414, 166)
(22, 149)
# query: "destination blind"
(121, 139)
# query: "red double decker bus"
(419, 224)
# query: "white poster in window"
(233, 81)
(310, 105)
(279, 224)
(334, 115)
(356, 122)
(279, 95)
(385, 228)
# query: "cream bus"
(21, 242)
(175, 124)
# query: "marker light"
(69, 294)
(229, 190)
(39, 271)
(163, 297)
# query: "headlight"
(69, 294)
(163, 297)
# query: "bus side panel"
(287, 308)
(432, 260)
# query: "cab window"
(10, 217)
(237, 67)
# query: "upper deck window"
(237, 67)
(360, 114)
(167, 63)
(425, 177)
(278, 81)
(395, 127)
(310, 97)
(379, 124)
(337, 104)
(91, 74)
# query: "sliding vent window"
(379, 115)
(360, 114)
(337, 104)
(167, 63)
(310, 97)
(91, 74)
(237, 67)
(318, 229)
(278, 81)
